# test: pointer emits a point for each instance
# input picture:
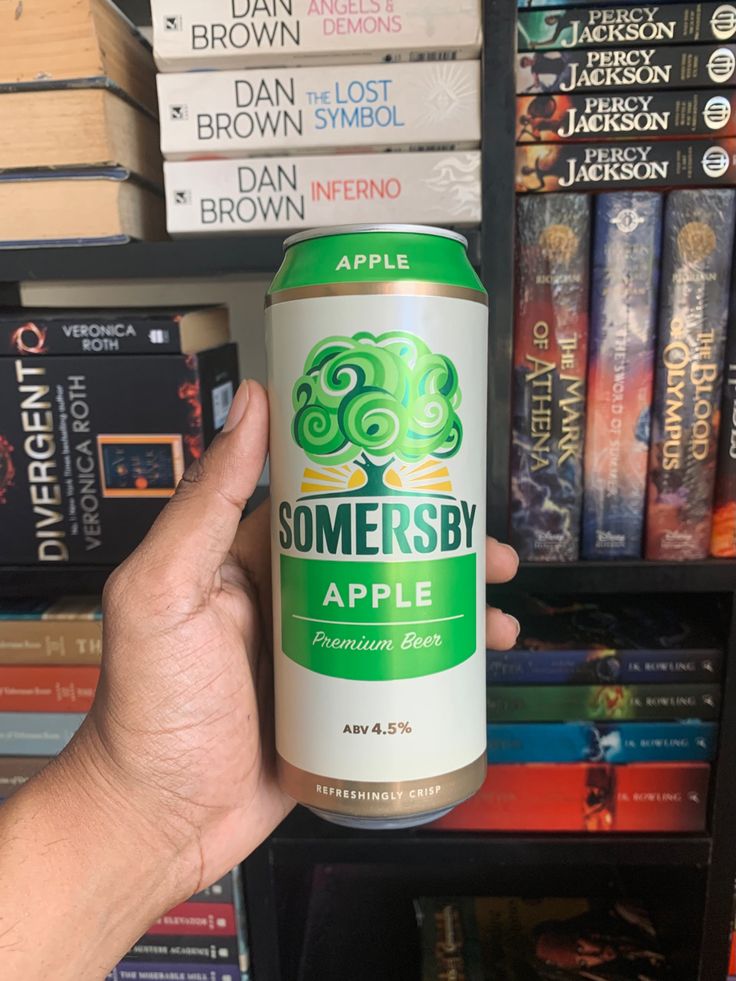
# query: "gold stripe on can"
(397, 288)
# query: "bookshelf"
(704, 865)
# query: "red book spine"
(587, 797)
(47, 689)
(197, 919)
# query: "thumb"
(193, 534)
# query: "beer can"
(377, 351)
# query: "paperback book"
(197, 919)
(624, 287)
(723, 537)
(50, 688)
(696, 267)
(601, 742)
(185, 949)
(664, 797)
(17, 770)
(550, 353)
(162, 971)
(37, 733)
(60, 631)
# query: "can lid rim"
(359, 229)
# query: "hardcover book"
(616, 165)
(278, 193)
(50, 331)
(596, 26)
(197, 919)
(601, 742)
(67, 631)
(37, 733)
(696, 269)
(570, 703)
(624, 286)
(300, 110)
(723, 536)
(550, 353)
(663, 797)
(17, 770)
(114, 436)
(241, 34)
(604, 70)
(560, 118)
(30, 688)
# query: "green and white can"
(377, 350)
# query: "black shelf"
(711, 576)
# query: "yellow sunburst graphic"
(332, 480)
(430, 475)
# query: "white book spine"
(287, 193)
(302, 110)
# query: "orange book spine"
(50, 641)
(47, 689)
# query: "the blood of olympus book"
(558, 118)
(617, 165)
(602, 70)
(723, 538)
(247, 33)
(248, 113)
(592, 27)
(696, 267)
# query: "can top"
(311, 233)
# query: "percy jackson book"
(723, 537)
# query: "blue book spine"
(136, 971)
(37, 733)
(602, 742)
(591, 667)
(625, 279)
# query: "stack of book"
(50, 653)
(203, 939)
(281, 130)
(79, 157)
(629, 287)
(604, 718)
(102, 411)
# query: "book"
(723, 535)
(30, 688)
(222, 891)
(561, 118)
(300, 110)
(37, 733)
(617, 165)
(664, 797)
(573, 703)
(85, 42)
(603, 70)
(185, 949)
(17, 770)
(450, 940)
(605, 938)
(616, 641)
(624, 288)
(242, 34)
(593, 27)
(41, 129)
(197, 919)
(548, 398)
(696, 269)
(77, 207)
(161, 971)
(62, 631)
(116, 435)
(601, 742)
(279, 193)
(131, 331)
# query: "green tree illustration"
(374, 399)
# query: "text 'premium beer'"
(377, 339)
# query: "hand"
(177, 752)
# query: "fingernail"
(515, 622)
(510, 548)
(238, 407)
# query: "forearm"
(82, 876)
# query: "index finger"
(502, 561)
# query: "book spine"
(628, 229)
(161, 971)
(60, 642)
(17, 770)
(696, 266)
(618, 165)
(550, 351)
(35, 335)
(574, 118)
(185, 949)
(723, 537)
(222, 891)
(36, 733)
(595, 27)
(646, 68)
(570, 703)
(197, 919)
(451, 945)
(665, 797)
(47, 689)
(601, 742)
(523, 4)
(596, 667)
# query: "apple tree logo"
(378, 415)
